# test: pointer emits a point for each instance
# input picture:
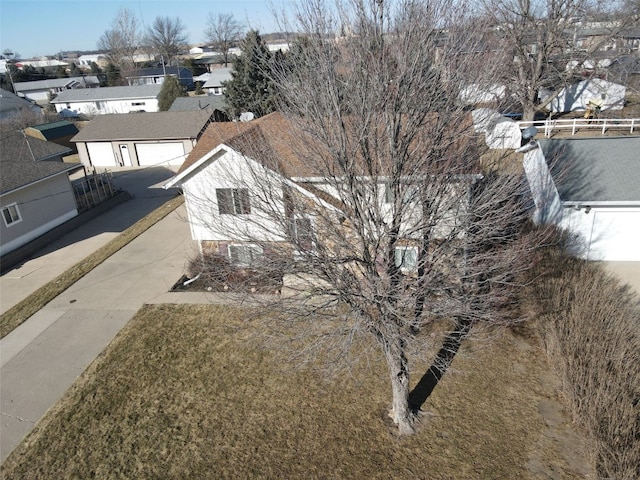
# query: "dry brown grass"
(38, 299)
(183, 392)
(590, 327)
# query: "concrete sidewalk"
(42, 358)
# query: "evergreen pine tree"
(171, 90)
(250, 89)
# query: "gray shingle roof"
(194, 104)
(108, 93)
(603, 169)
(218, 75)
(145, 126)
(56, 83)
(10, 102)
(18, 166)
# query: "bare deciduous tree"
(367, 195)
(122, 40)
(222, 32)
(166, 37)
(537, 40)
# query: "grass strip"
(38, 299)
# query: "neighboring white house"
(608, 95)
(141, 139)
(99, 101)
(213, 85)
(35, 191)
(591, 187)
(499, 131)
(40, 90)
(85, 61)
(478, 94)
(156, 76)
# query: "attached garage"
(160, 153)
(614, 235)
(101, 154)
(589, 187)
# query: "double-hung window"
(11, 214)
(233, 201)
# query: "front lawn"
(183, 392)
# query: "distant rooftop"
(57, 83)
(201, 102)
(108, 93)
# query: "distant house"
(213, 85)
(141, 139)
(40, 90)
(608, 95)
(105, 100)
(35, 191)
(591, 187)
(57, 132)
(85, 61)
(12, 106)
(155, 76)
(202, 102)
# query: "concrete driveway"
(627, 272)
(42, 358)
(144, 184)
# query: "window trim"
(405, 248)
(7, 208)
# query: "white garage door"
(615, 235)
(160, 153)
(101, 154)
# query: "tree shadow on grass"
(438, 368)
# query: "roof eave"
(73, 167)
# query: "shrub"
(590, 327)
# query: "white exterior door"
(160, 153)
(126, 158)
(101, 154)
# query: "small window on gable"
(244, 255)
(11, 214)
(407, 258)
(233, 201)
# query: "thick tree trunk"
(398, 370)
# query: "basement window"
(11, 214)
(244, 255)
